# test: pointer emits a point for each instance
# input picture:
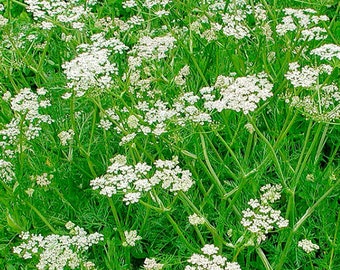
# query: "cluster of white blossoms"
(27, 119)
(195, 219)
(131, 237)
(316, 100)
(210, 260)
(322, 104)
(172, 176)
(148, 48)
(180, 79)
(3, 20)
(227, 20)
(151, 264)
(133, 180)
(92, 67)
(307, 245)
(305, 21)
(238, 94)
(261, 217)
(6, 171)
(155, 117)
(66, 136)
(68, 12)
(327, 51)
(158, 7)
(58, 251)
(42, 180)
(306, 76)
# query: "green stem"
(116, 218)
(233, 155)
(198, 232)
(214, 177)
(299, 168)
(334, 243)
(309, 211)
(273, 153)
(179, 232)
(264, 259)
(157, 209)
(41, 217)
(321, 144)
(211, 228)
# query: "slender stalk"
(116, 218)
(157, 209)
(179, 232)
(215, 179)
(41, 217)
(330, 265)
(233, 155)
(309, 211)
(264, 259)
(272, 150)
(210, 227)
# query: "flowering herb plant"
(165, 134)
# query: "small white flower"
(64, 251)
(69, 225)
(209, 260)
(6, 96)
(250, 128)
(151, 264)
(209, 249)
(66, 136)
(66, 95)
(195, 220)
(308, 246)
(327, 51)
(130, 238)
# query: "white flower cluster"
(149, 48)
(65, 136)
(155, 117)
(151, 264)
(3, 20)
(327, 51)
(108, 117)
(152, 3)
(156, 6)
(308, 246)
(42, 180)
(28, 103)
(180, 79)
(129, 4)
(238, 94)
(172, 176)
(133, 180)
(6, 171)
(27, 119)
(318, 100)
(92, 67)
(230, 20)
(306, 76)
(322, 107)
(234, 21)
(70, 12)
(210, 260)
(195, 220)
(261, 217)
(304, 20)
(130, 238)
(58, 251)
(129, 179)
